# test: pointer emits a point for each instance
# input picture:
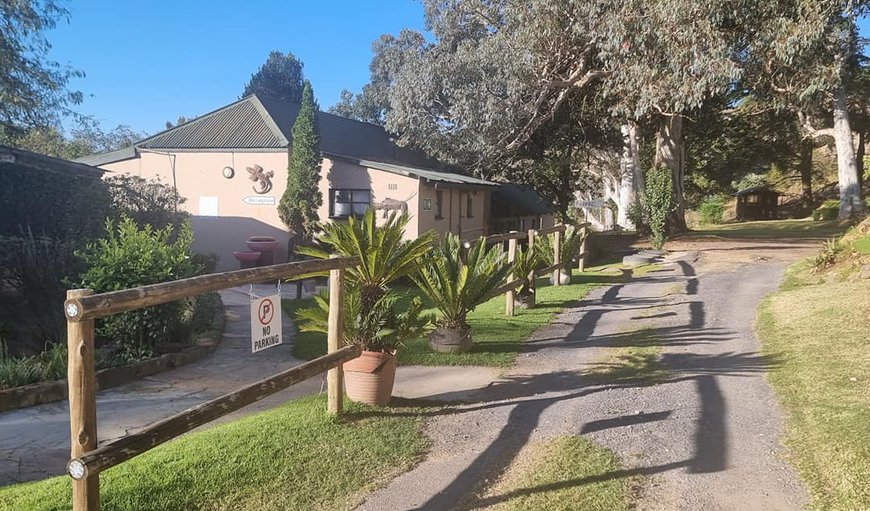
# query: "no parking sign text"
(265, 323)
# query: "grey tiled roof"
(428, 174)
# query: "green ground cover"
(818, 332)
(497, 338)
(564, 474)
(774, 229)
(293, 457)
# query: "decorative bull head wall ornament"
(263, 179)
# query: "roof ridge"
(268, 119)
(204, 117)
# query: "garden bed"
(203, 343)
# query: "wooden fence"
(514, 281)
(83, 306)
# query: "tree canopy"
(279, 78)
(33, 89)
(500, 78)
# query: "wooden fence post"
(509, 296)
(532, 274)
(581, 265)
(82, 384)
(557, 258)
(334, 376)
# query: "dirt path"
(707, 437)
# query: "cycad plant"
(381, 251)
(377, 329)
(383, 256)
(525, 262)
(456, 281)
(572, 240)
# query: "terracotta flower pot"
(369, 379)
(450, 340)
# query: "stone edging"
(52, 391)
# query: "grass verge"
(774, 229)
(497, 338)
(291, 458)
(820, 333)
(567, 473)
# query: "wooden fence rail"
(105, 304)
(127, 447)
(82, 306)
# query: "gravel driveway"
(707, 437)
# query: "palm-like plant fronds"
(457, 281)
(383, 254)
(572, 240)
(376, 328)
(525, 262)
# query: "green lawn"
(291, 458)
(568, 474)
(497, 338)
(820, 335)
(774, 229)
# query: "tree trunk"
(671, 154)
(851, 204)
(859, 154)
(806, 169)
(629, 170)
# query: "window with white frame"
(345, 202)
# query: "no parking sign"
(265, 323)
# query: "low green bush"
(129, 257)
(47, 366)
(827, 211)
(712, 210)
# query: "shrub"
(38, 269)
(827, 211)
(128, 257)
(146, 202)
(712, 210)
(657, 201)
(827, 255)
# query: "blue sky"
(149, 62)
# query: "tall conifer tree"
(298, 205)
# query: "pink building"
(215, 161)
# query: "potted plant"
(371, 316)
(378, 330)
(525, 263)
(456, 281)
(572, 240)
